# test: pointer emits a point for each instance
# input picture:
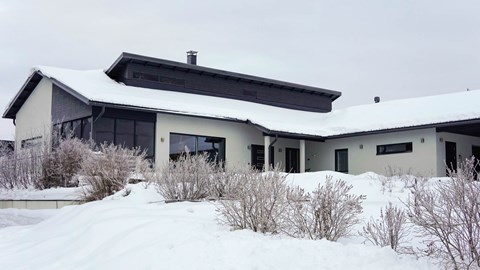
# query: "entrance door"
(292, 160)
(451, 156)
(341, 160)
(258, 158)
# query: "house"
(167, 107)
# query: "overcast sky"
(391, 49)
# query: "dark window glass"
(124, 132)
(77, 128)
(145, 137)
(341, 160)
(104, 130)
(394, 148)
(180, 144)
(66, 129)
(86, 128)
(213, 146)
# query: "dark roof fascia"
(434, 125)
(127, 57)
(286, 135)
(27, 88)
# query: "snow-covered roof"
(96, 87)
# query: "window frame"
(408, 148)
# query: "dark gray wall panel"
(225, 87)
(66, 107)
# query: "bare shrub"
(258, 203)
(108, 170)
(61, 163)
(226, 183)
(21, 169)
(448, 218)
(329, 212)
(390, 229)
(187, 178)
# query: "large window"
(396, 148)
(180, 144)
(126, 132)
(79, 128)
(130, 133)
(341, 160)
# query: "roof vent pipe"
(192, 57)
(376, 99)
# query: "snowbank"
(139, 231)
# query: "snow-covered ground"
(140, 231)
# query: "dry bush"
(226, 183)
(20, 169)
(258, 203)
(329, 212)
(61, 164)
(448, 218)
(187, 178)
(391, 229)
(108, 170)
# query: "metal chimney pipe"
(192, 57)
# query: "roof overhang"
(28, 87)
(469, 127)
(126, 58)
(22, 95)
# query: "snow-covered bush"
(108, 170)
(225, 183)
(61, 164)
(187, 178)
(328, 212)
(448, 218)
(258, 203)
(21, 169)
(390, 229)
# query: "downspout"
(96, 118)
(269, 146)
(274, 141)
(14, 121)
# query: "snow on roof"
(96, 86)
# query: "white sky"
(391, 49)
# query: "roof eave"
(8, 114)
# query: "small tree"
(448, 218)
(329, 212)
(390, 229)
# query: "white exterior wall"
(321, 156)
(464, 148)
(35, 116)
(280, 152)
(238, 136)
